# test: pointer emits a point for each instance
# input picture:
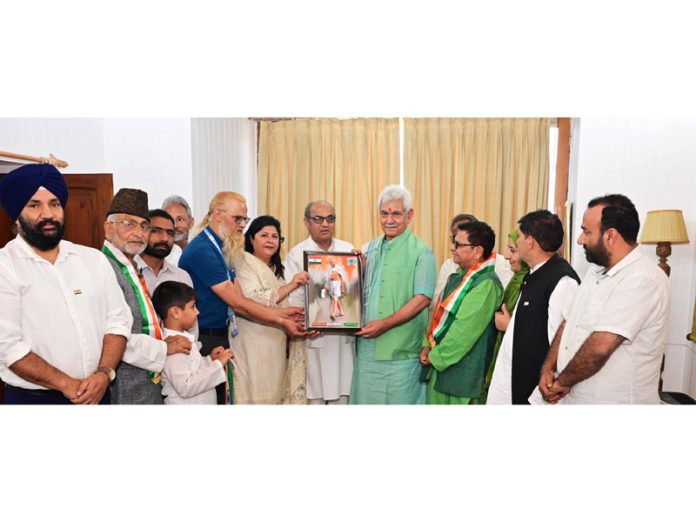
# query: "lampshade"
(664, 226)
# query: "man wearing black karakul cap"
(127, 229)
(63, 319)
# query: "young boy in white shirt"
(187, 378)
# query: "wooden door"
(89, 197)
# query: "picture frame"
(334, 294)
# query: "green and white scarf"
(446, 309)
(150, 324)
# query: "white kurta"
(59, 311)
(330, 357)
(560, 301)
(259, 349)
(190, 378)
(631, 300)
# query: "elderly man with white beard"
(127, 229)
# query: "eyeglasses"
(318, 219)
(456, 244)
(158, 230)
(237, 219)
(129, 225)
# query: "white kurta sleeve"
(188, 382)
(293, 266)
(560, 301)
(119, 318)
(446, 270)
(12, 346)
(143, 351)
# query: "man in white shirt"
(449, 267)
(330, 357)
(610, 349)
(63, 319)
(547, 292)
(153, 263)
(127, 229)
(179, 209)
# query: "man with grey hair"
(398, 286)
(127, 230)
(179, 209)
(330, 357)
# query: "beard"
(36, 237)
(134, 249)
(180, 235)
(233, 248)
(159, 250)
(597, 254)
(131, 249)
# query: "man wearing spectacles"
(458, 345)
(127, 230)
(210, 259)
(449, 267)
(330, 357)
(398, 286)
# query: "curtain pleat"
(494, 168)
(345, 162)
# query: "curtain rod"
(36, 159)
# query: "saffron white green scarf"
(150, 323)
(446, 309)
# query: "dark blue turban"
(17, 187)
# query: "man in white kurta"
(330, 357)
(611, 347)
(540, 235)
(63, 319)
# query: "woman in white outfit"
(260, 349)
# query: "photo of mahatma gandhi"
(334, 292)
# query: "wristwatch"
(109, 372)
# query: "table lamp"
(664, 228)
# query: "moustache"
(45, 222)
(160, 245)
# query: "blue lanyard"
(231, 321)
(230, 275)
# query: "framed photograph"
(333, 300)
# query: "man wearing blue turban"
(63, 319)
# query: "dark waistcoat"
(530, 337)
(132, 384)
